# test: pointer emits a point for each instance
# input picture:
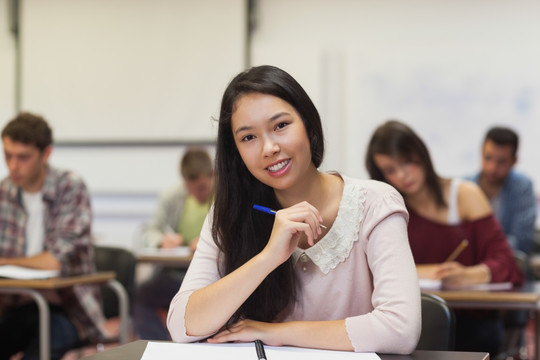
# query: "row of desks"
(526, 298)
(32, 288)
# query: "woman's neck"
(421, 199)
(315, 188)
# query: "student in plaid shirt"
(45, 223)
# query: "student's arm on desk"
(250, 275)
(43, 261)
(209, 304)
(392, 326)
(496, 261)
(164, 219)
(171, 240)
(454, 274)
(309, 334)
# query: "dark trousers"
(479, 331)
(152, 295)
(19, 331)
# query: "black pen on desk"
(259, 347)
(273, 212)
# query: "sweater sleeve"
(166, 216)
(520, 217)
(202, 271)
(494, 250)
(394, 324)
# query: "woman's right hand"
(289, 226)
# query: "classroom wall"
(448, 68)
(7, 65)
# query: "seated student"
(177, 221)
(443, 212)
(284, 279)
(45, 224)
(510, 193)
(512, 199)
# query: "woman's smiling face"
(271, 139)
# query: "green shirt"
(192, 218)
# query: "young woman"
(444, 212)
(285, 279)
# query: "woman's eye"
(281, 125)
(388, 172)
(248, 138)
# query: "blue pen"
(264, 209)
(267, 210)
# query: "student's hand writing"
(171, 240)
(250, 330)
(427, 271)
(455, 274)
(289, 225)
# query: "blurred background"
(128, 84)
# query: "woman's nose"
(271, 147)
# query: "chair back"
(122, 262)
(438, 324)
(522, 261)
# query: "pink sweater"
(361, 271)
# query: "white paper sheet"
(24, 273)
(483, 287)
(178, 251)
(429, 284)
(244, 351)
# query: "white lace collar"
(337, 244)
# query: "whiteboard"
(130, 70)
(451, 105)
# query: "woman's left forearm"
(331, 335)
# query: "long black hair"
(239, 232)
(395, 139)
